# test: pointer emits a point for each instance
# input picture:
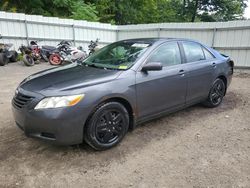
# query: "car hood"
(69, 77)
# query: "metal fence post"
(74, 35)
(116, 34)
(159, 32)
(213, 38)
(26, 32)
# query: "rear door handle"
(214, 64)
(181, 72)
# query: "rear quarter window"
(208, 55)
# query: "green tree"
(83, 11)
(213, 10)
(137, 11)
(76, 9)
(132, 11)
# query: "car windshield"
(120, 55)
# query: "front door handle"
(181, 72)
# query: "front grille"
(20, 100)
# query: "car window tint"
(168, 54)
(208, 54)
(193, 51)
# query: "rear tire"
(3, 59)
(14, 56)
(28, 60)
(107, 126)
(55, 59)
(216, 94)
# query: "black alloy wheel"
(107, 126)
(216, 93)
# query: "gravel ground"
(196, 147)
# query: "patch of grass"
(19, 57)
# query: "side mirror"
(152, 66)
(1, 36)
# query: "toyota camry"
(118, 87)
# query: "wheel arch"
(122, 101)
(224, 79)
(127, 105)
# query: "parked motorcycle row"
(32, 54)
(7, 54)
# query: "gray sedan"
(118, 87)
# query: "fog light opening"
(48, 135)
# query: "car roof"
(154, 40)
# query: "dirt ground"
(196, 147)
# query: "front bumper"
(63, 126)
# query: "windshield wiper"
(94, 65)
(100, 66)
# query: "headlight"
(57, 102)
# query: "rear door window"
(193, 51)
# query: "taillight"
(231, 65)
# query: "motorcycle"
(33, 53)
(44, 51)
(29, 56)
(7, 53)
(93, 46)
(65, 52)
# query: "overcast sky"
(247, 11)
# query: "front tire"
(28, 60)
(3, 59)
(216, 94)
(107, 126)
